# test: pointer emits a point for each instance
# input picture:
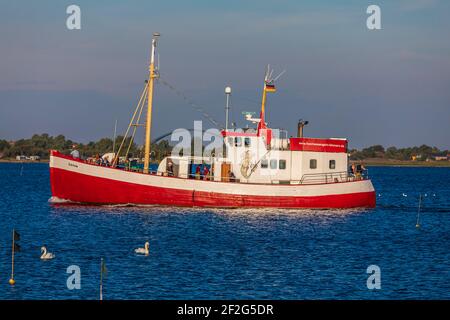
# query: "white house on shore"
(30, 158)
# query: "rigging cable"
(116, 158)
(137, 123)
(191, 103)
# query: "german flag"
(16, 235)
(270, 87)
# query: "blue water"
(230, 254)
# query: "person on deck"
(205, 173)
(353, 169)
(75, 153)
(197, 173)
(170, 168)
(360, 170)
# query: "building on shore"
(30, 158)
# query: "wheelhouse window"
(273, 163)
(230, 141)
(332, 164)
(247, 142)
(282, 164)
(264, 164)
(237, 141)
(313, 164)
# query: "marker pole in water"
(101, 279)
(418, 211)
(102, 271)
(12, 281)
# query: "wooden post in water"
(101, 279)
(11, 280)
(102, 271)
(418, 211)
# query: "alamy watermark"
(73, 21)
(374, 280)
(74, 280)
(246, 147)
(373, 22)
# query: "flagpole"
(12, 281)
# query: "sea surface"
(229, 254)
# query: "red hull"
(83, 188)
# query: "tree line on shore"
(421, 153)
(39, 145)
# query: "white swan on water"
(145, 250)
(46, 255)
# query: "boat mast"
(262, 123)
(269, 86)
(148, 124)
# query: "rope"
(116, 158)
(137, 122)
(191, 103)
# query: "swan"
(46, 255)
(145, 250)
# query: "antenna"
(278, 76)
(227, 106)
(269, 75)
(115, 137)
(266, 78)
(157, 63)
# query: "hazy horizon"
(387, 87)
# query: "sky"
(388, 86)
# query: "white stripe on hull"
(212, 186)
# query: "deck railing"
(309, 178)
(333, 177)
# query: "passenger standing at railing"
(98, 160)
(205, 173)
(353, 169)
(170, 168)
(231, 176)
(197, 173)
(75, 153)
(359, 171)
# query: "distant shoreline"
(23, 161)
(402, 163)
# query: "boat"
(262, 167)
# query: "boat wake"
(56, 200)
(127, 205)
